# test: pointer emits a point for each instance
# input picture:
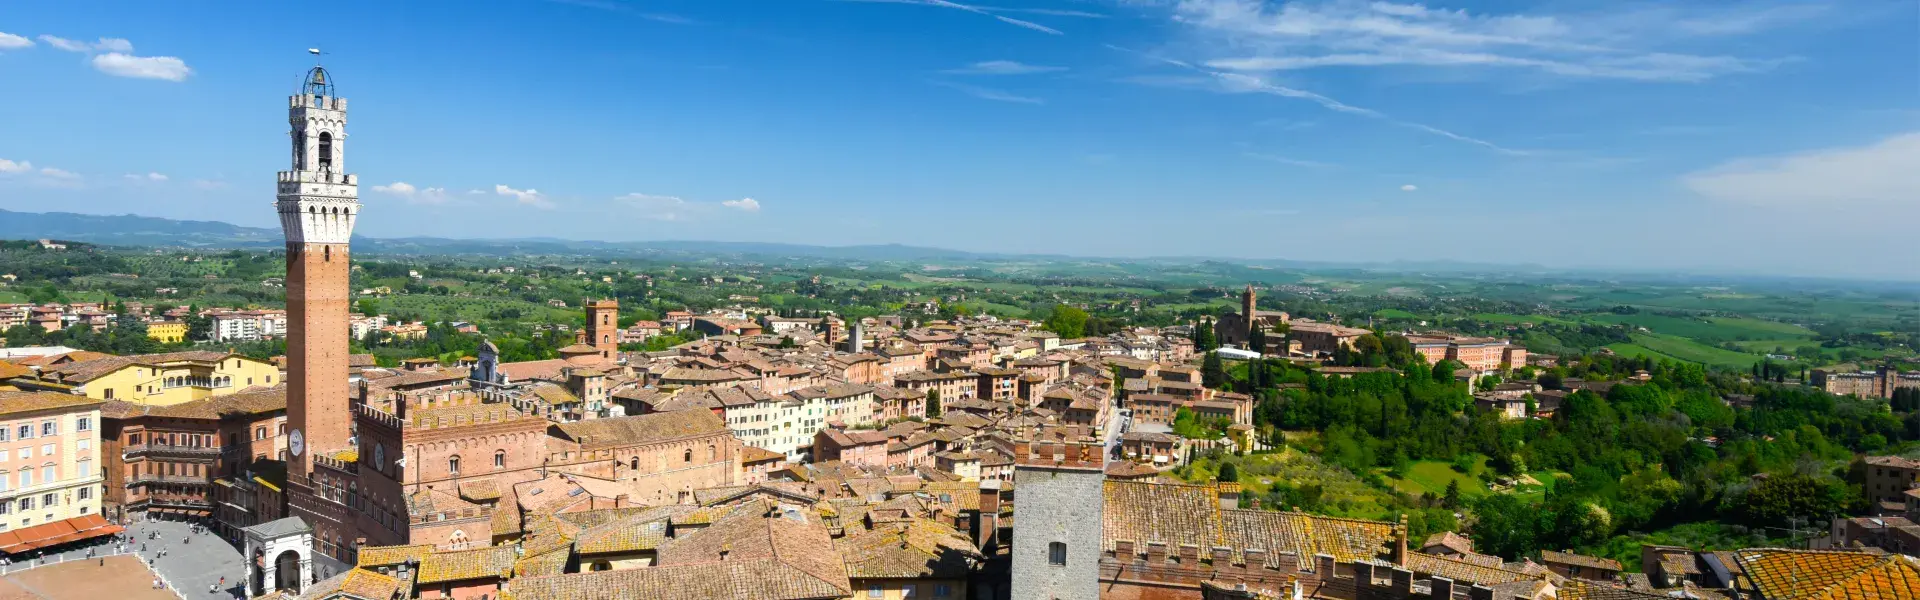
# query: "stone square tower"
(603, 328)
(1057, 541)
(318, 202)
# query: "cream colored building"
(50, 467)
(162, 379)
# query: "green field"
(12, 297)
(1430, 477)
(1343, 493)
(1710, 330)
(1679, 348)
(1518, 319)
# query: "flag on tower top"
(313, 51)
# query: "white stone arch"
(268, 545)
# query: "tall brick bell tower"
(318, 202)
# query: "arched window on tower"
(326, 150)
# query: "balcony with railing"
(145, 478)
(171, 501)
(179, 450)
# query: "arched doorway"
(286, 571)
(257, 586)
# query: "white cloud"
(142, 67)
(529, 197)
(154, 177)
(1409, 187)
(675, 208)
(105, 44)
(1622, 43)
(58, 173)
(114, 45)
(10, 41)
(1243, 83)
(1051, 12)
(990, 94)
(9, 167)
(431, 195)
(209, 184)
(1002, 67)
(1885, 174)
(65, 44)
(979, 10)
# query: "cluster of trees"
(448, 345)
(1640, 456)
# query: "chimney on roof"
(1400, 541)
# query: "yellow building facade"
(165, 379)
(170, 332)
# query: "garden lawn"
(1430, 477)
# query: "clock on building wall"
(296, 442)
(379, 456)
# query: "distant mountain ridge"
(136, 230)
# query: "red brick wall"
(317, 316)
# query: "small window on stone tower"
(1057, 553)
(326, 150)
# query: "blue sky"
(1778, 137)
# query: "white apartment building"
(361, 325)
(248, 325)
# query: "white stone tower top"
(318, 200)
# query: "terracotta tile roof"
(747, 554)
(429, 501)
(632, 534)
(1779, 574)
(627, 431)
(368, 585)
(754, 454)
(1462, 571)
(479, 490)
(20, 402)
(552, 562)
(954, 495)
(1307, 535)
(1127, 469)
(376, 556)
(89, 370)
(458, 565)
(554, 394)
(534, 369)
(920, 548)
(729, 580)
(1579, 560)
(426, 377)
(1451, 541)
(9, 370)
(244, 403)
(1169, 513)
